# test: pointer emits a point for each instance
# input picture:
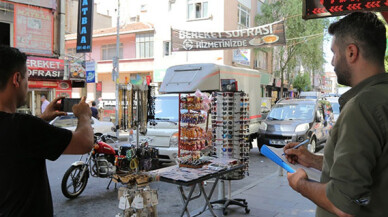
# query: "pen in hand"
(297, 146)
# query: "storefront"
(46, 77)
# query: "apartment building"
(145, 40)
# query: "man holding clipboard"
(355, 162)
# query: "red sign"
(329, 8)
(42, 84)
(33, 30)
(99, 86)
(148, 79)
(45, 68)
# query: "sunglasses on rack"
(228, 103)
(227, 149)
(227, 131)
(227, 108)
(227, 136)
(242, 131)
(227, 122)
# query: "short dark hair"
(93, 103)
(365, 30)
(11, 61)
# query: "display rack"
(230, 125)
(192, 138)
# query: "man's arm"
(52, 110)
(314, 191)
(82, 140)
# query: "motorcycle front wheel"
(72, 186)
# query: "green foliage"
(301, 51)
(302, 82)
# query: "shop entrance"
(34, 99)
(5, 34)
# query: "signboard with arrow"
(330, 8)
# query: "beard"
(342, 71)
(22, 100)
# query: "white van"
(188, 78)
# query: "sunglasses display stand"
(193, 135)
(230, 127)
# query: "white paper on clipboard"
(312, 173)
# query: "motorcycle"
(104, 161)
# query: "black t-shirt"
(94, 112)
(25, 144)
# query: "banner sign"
(45, 68)
(52, 4)
(84, 27)
(90, 72)
(33, 32)
(266, 35)
(329, 8)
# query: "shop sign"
(52, 4)
(33, 33)
(84, 28)
(42, 84)
(63, 89)
(242, 56)
(266, 35)
(90, 72)
(77, 71)
(321, 8)
(45, 68)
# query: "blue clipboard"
(275, 158)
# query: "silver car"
(70, 122)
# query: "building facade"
(37, 28)
(135, 59)
(146, 50)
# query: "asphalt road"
(96, 200)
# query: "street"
(96, 200)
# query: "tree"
(304, 38)
(302, 82)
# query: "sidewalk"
(270, 197)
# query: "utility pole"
(116, 64)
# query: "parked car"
(70, 122)
(295, 120)
(334, 106)
(163, 131)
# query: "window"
(109, 51)
(261, 60)
(143, 8)
(197, 9)
(145, 45)
(243, 16)
(166, 48)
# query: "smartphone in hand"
(67, 104)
